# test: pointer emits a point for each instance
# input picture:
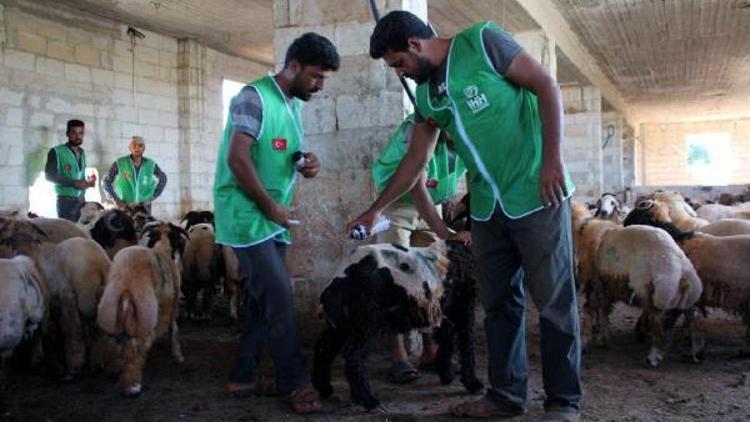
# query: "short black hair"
(312, 49)
(394, 30)
(74, 123)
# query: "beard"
(298, 90)
(424, 70)
(75, 142)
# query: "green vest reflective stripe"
(496, 128)
(239, 221)
(67, 166)
(443, 170)
(133, 186)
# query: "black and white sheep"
(392, 289)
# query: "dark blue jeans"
(269, 317)
(536, 249)
(69, 208)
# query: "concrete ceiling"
(669, 59)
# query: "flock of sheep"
(101, 291)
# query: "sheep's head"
(112, 225)
(140, 216)
(160, 235)
(607, 206)
(404, 283)
(197, 217)
(90, 211)
(458, 215)
(19, 237)
(655, 214)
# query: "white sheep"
(622, 264)
(22, 302)
(721, 262)
(727, 227)
(681, 213)
(716, 212)
(74, 272)
(200, 270)
(141, 299)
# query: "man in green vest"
(253, 188)
(416, 221)
(504, 112)
(66, 168)
(134, 179)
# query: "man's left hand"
(311, 167)
(552, 183)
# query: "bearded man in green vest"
(253, 187)
(504, 112)
(416, 221)
(135, 179)
(66, 168)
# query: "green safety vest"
(239, 221)
(496, 128)
(443, 170)
(67, 166)
(133, 186)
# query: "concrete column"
(541, 46)
(346, 125)
(613, 125)
(582, 149)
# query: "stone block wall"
(663, 151)
(582, 150)
(80, 66)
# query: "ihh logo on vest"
(476, 101)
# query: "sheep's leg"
(72, 330)
(642, 328)
(467, 341)
(698, 343)
(587, 324)
(135, 352)
(444, 359)
(208, 301)
(663, 328)
(191, 298)
(329, 345)
(175, 341)
(355, 354)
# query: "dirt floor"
(618, 385)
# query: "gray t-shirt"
(501, 48)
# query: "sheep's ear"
(39, 231)
(187, 215)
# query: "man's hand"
(552, 182)
(83, 184)
(463, 237)
(367, 219)
(311, 167)
(278, 214)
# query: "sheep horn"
(108, 223)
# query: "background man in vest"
(504, 112)
(416, 221)
(135, 179)
(66, 168)
(253, 189)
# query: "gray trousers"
(537, 251)
(69, 208)
(269, 318)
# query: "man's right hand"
(278, 214)
(367, 219)
(83, 184)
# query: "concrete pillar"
(541, 46)
(582, 149)
(613, 125)
(193, 187)
(346, 125)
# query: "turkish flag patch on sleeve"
(279, 144)
(431, 183)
